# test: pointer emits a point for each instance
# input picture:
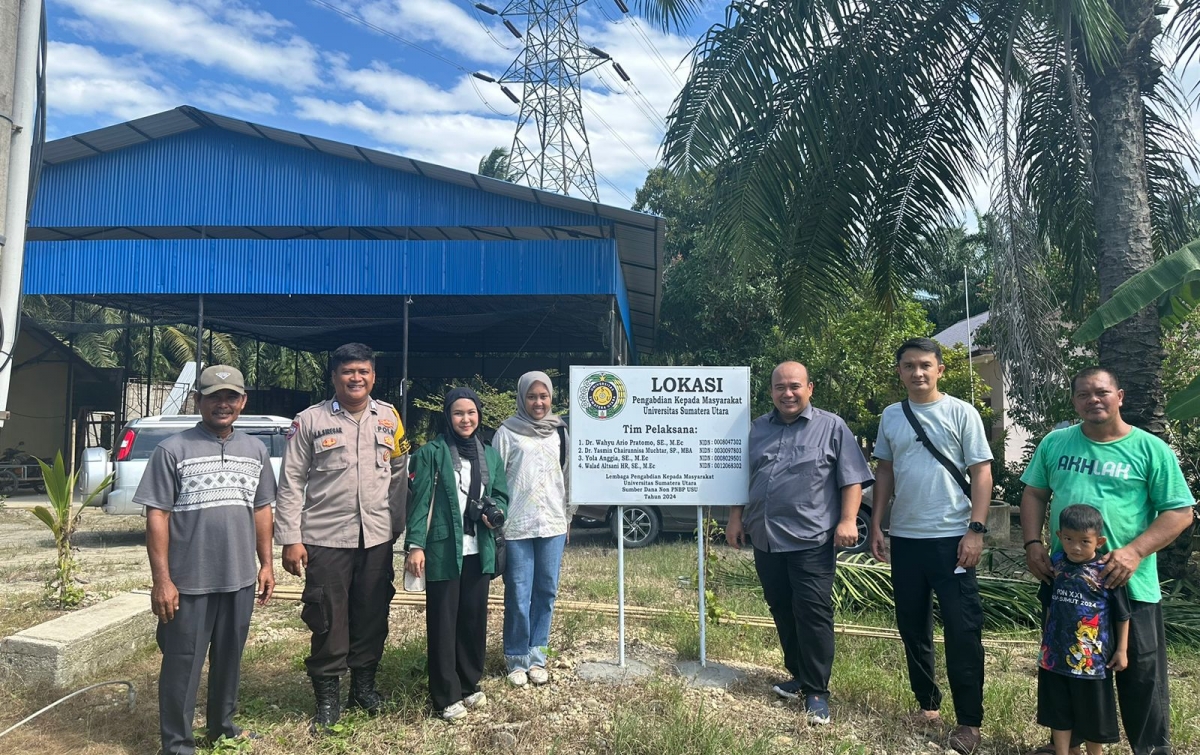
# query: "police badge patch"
(295, 428)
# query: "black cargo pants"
(347, 594)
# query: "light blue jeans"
(530, 587)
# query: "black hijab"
(468, 448)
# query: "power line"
(615, 188)
(494, 38)
(593, 63)
(613, 131)
(644, 40)
(639, 100)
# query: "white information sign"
(671, 436)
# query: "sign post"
(663, 436)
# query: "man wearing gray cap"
(208, 493)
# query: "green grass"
(571, 717)
(666, 721)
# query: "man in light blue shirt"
(936, 533)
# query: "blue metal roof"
(214, 177)
(185, 201)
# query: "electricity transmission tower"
(550, 146)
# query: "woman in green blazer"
(454, 548)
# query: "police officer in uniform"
(340, 505)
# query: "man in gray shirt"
(806, 478)
(208, 493)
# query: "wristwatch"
(979, 527)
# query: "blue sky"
(301, 66)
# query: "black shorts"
(1085, 707)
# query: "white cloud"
(82, 81)
(250, 58)
(458, 30)
(248, 43)
(231, 99)
(398, 91)
(456, 140)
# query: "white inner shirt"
(470, 543)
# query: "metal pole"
(199, 338)
(150, 366)
(404, 371)
(970, 348)
(126, 359)
(69, 442)
(700, 538)
(621, 585)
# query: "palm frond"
(1024, 310)
(668, 13)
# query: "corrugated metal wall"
(216, 177)
(314, 266)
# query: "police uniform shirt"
(341, 477)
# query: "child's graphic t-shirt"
(1081, 616)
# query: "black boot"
(362, 690)
(328, 690)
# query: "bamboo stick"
(417, 599)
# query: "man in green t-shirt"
(1135, 481)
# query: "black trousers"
(921, 569)
(213, 625)
(1142, 687)
(456, 622)
(347, 594)
(798, 587)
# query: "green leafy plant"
(63, 519)
(1173, 284)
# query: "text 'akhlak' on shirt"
(1081, 465)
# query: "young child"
(1085, 638)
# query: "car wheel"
(863, 520)
(641, 525)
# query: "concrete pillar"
(20, 26)
(10, 12)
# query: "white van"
(139, 439)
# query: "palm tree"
(948, 256)
(844, 132)
(496, 165)
(107, 337)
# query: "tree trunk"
(1133, 348)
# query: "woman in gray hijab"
(533, 445)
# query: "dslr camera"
(485, 506)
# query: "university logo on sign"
(602, 395)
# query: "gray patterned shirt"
(797, 472)
(211, 487)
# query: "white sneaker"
(475, 700)
(539, 675)
(454, 712)
(518, 678)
